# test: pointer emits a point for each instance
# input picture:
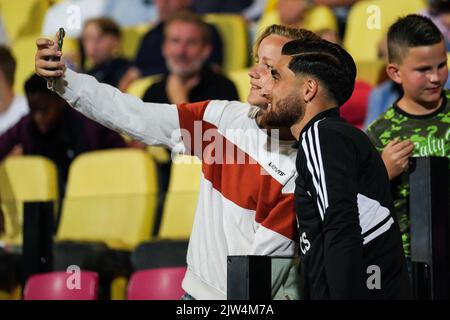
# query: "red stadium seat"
(156, 284)
(54, 286)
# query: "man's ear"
(393, 71)
(310, 88)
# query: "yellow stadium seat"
(118, 288)
(181, 198)
(241, 80)
(159, 153)
(370, 71)
(110, 198)
(4, 295)
(131, 39)
(138, 87)
(23, 17)
(24, 179)
(320, 18)
(369, 20)
(233, 31)
(270, 5)
(317, 19)
(24, 50)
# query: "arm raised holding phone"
(151, 123)
(48, 62)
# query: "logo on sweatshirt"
(275, 168)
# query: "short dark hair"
(106, 25)
(36, 84)
(190, 17)
(408, 32)
(7, 65)
(328, 62)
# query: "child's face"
(422, 73)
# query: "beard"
(285, 113)
(184, 71)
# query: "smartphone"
(61, 35)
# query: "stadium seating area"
(107, 215)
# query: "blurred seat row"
(367, 23)
(152, 284)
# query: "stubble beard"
(285, 113)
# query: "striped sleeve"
(332, 165)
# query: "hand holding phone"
(47, 58)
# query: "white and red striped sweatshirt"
(243, 209)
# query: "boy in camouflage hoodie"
(418, 124)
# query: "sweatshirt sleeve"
(151, 123)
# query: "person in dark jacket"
(149, 59)
(350, 243)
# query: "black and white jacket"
(349, 238)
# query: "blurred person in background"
(355, 109)
(125, 12)
(186, 48)
(255, 10)
(300, 14)
(149, 59)
(12, 106)
(56, 131)
(3, 37)
(220, 6)
(294, 12)
(439, 12)
(101, 39)
(340, 8)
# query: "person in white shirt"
(12, 107)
